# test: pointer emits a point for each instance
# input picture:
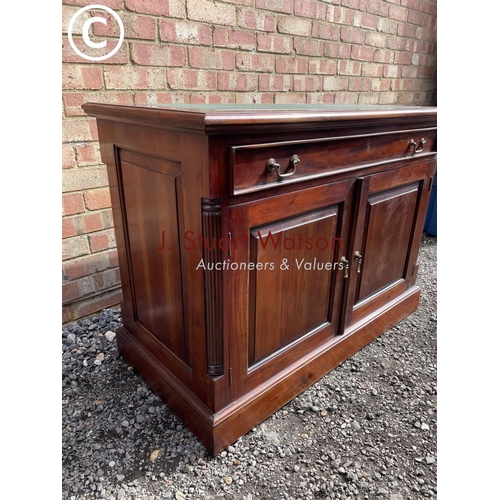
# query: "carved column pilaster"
(211, 220)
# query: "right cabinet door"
(388, 228)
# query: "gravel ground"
(367, 430)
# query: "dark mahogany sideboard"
(260, 246)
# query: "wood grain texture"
(226, 344)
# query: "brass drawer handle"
(418, 148)
(273, 165)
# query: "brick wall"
(264, 51)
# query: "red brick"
(234, 39)
(211, 12)
(380, 85)
(107, 279)
(76, 268)
(411, 4)
(321, 97)
(237, 81)
(82, 77)
(172, 8)
(76, 179)
(358, 84)
(134, 78)
(256, 20)
(254, 98)
(351, 68)
(92, 222)
(160, 97)
(325, 31)
(398, 13)
(135, 26)
(112, 4)
(335, 50)
(372, 70)
(192, 79)
(402, 58)
(323, 67)
(378, 7)
(275, 83)
(72, 204)
(255, 62)
(70, 291)
(185, 32)
(383, 56)
(74, 247)
(307, 47)
(285, 6)
(307, 83)
(157, 54)
(335, 83)
(88, 153)
(346, 98)
(362, 53)
(310, 9)
(428, 7)
(364, 20)
(376, 39)
(102, 241)
(208, 58)
(391, 72)
(352, 35)
(97, 199)
(77, 289)
(274, 43)
(73, 101)
(286, 64)
(212, 97)
(92, 305)
(340, 15)
(396, 43)
(79, 129)
(68, 228)
(369, 98)
(68, 156)
(407, 30)
(294, 25)
(355, 4)
(70, 56)
(290, 98)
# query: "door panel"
(389, 225)
(292, 302)
(278, 313)
(388, 228)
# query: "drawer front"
(261, 166)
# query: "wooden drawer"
(253, 169)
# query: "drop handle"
(272, 164)
(417, 148)
(344, 261)
(359, 259)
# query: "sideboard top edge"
(215, 118)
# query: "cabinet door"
(287, 301)
(388, 228)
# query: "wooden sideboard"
(260, 246)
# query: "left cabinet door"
(285, 286)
